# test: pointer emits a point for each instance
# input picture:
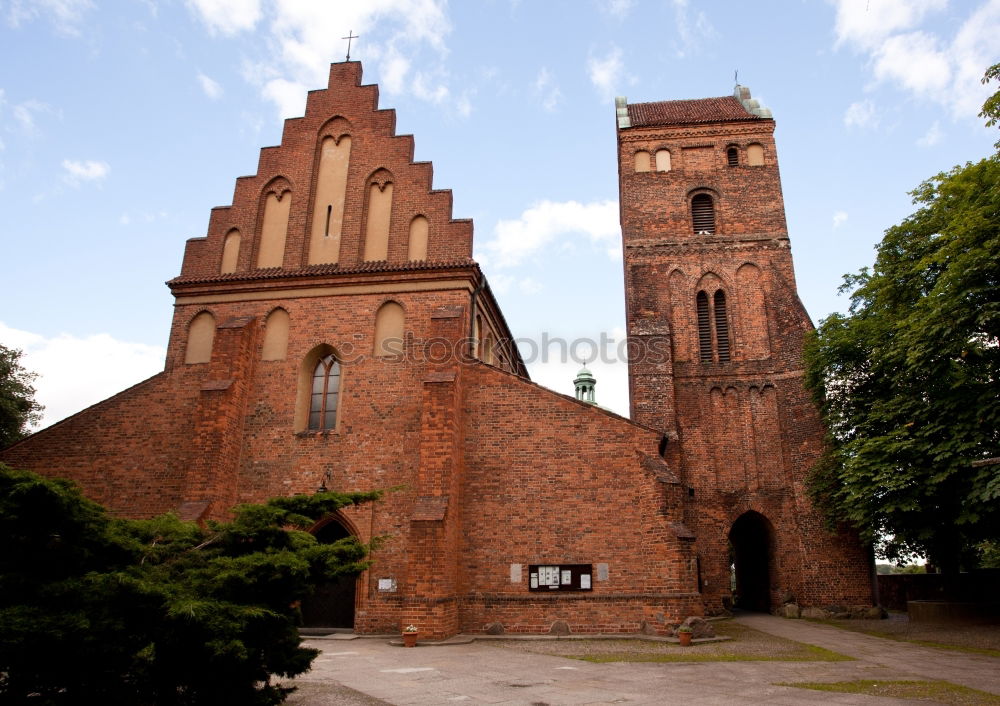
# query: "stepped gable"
(345, 120)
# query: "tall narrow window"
(325, 390)
(704, 329)
(328, 211)
(379, 216)
(755, 155)
(732, 157)
(721, 325)
(642, 161)
(703, 214)
(230, 252)
(417, 247)
(274, 228)
(201, 336)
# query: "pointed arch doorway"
(751, 557)
(332, 604)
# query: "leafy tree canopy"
(95, 609)
(18, 409)
(908, 381)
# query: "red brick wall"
(552, 480)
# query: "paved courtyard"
(370, 671)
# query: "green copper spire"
(585, 383)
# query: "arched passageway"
(751, 557)
(332, 604)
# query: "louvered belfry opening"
(703, 214)
(732, 157)
(721, 326)
(704, 329)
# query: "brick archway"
(332, 604)
(751, 541)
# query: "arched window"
(201, 336)
(379, 216)
(274, 225)
(703, 214)
(417, 247)
(328, 209)
(755, 155)
(732, 157)
(721, 326)
(389, 325)
(662, 160)
(325, 391)
(642, 161)
(275, 335)
(713, 327)
(230, 252)
(704, 329)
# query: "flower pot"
(685, 638)
(409, 639)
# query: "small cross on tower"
(349, 37)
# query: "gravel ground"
(899, 626)
(747, 644)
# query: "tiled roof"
(702, 110)
(279, 273)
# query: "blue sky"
(123, 122)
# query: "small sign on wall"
(387, 585)
(560, 577)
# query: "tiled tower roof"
(702, 110)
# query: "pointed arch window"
(704, 329)
(713, 327)
(325, 393)
(703, 214)
(721, 325)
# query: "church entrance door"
(332, 604)
(751, 539)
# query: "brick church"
(332, 330)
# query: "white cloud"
(932, 136)
(866, 23)
(227, 17)
(546, 89)
(78, 171)
(923, 61)
(861, 114)
(303, 37)
(290, 97)
(110, 366)
(65, 15)
(547, 221)
(839, 218)
(692, 33)
(210, 86)
(463, 106)
(26, 112)
(504, 283)
(607, 73)
(913, 61)
(617, 8)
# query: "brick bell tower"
(715, 331)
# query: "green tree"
(908, 381)
(18, 409)
(95, 609)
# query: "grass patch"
(807, 653)
(943, 692)
(745, 645)
(903, 632)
